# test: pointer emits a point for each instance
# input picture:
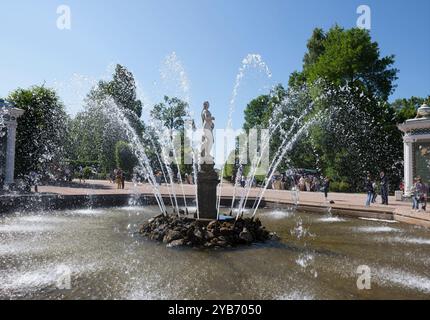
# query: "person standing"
(369, 189)
(376, 190)
(326, 187)
(81, 174)
(158, 178)
(384, 188)
(307, 183)
(425, 191)
(302, 185)
(416, 192)
(123, 180)
(118, 178)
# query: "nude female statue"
(208, 137)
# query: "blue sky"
(210, 39)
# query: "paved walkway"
(343, 201)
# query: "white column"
(408, 166)
(10, 153)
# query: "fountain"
(208, 228)
(207, 178)
(139, 269)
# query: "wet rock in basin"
(182, 231)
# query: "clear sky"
(210, 39)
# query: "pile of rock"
(182, 231)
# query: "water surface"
(317, 258)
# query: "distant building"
(8, 124)
(416, 148)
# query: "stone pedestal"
(207, 182)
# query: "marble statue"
(208, 136)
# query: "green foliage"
(42, 130)
(256, 112)
(125, 158)
(340, 56)
(122, 88)
(94, 133)
(407, 108)
(341, 186)
(345, 79)
(87, 172)
(170, 113)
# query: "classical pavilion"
(416, 142)
(8, 125)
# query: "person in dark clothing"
(369, 189)
(376, 188)
(326, 187)
(384, 188)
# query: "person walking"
(369, 189)
(384, 188)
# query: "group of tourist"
(119, 178)
(300, 182)
(374, 187)
(307, 182)
(420, 192)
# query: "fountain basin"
(316, 258)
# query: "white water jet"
(250, 61)
(111, 109)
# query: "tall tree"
(171, 114)
(345, 79)
(342, 56)
(42, 130)
(97, 129)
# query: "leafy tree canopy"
(340, 56)
(42, 130)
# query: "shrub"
(334, 186)
(344, 187)
(87, 172)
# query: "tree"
(42, 130)
(340, 56)
(97, 129)
(170, 113)
(122, 88)
(407, 108)
(256, 112)
(125, 158)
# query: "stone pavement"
(345, 203)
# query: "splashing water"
(250, 61)
(115, 113)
